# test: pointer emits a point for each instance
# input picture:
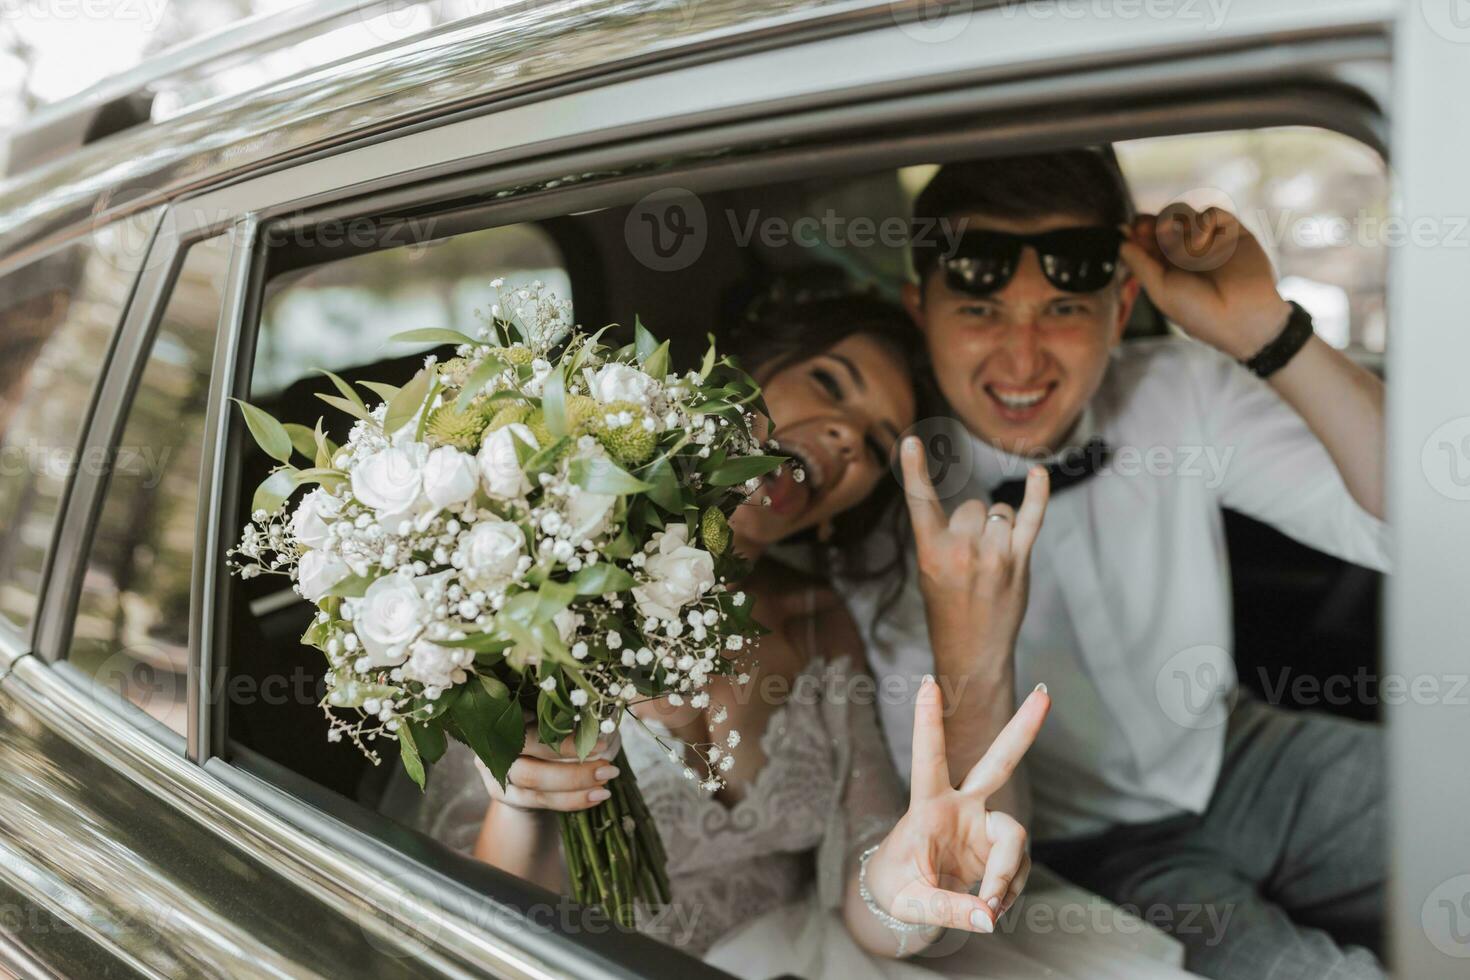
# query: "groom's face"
(1019, 365)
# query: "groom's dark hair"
(1085, 182)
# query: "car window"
(340, 315)
(59, 314)
(132, 626)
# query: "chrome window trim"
(170, 240)
(13, 646)
(352, 885)
(770, 89)
(202, 669)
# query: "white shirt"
(1129, 619)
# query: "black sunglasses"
(1077, 260)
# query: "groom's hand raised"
(973, 568)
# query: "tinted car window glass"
(57, 319)
(132, 627)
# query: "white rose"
(588, 513)
(316, 510)
(449, 477)
(390, 482)
(677, 574)
(317, 572)
(619, 382)
(499, 466)
(491, 551)
(436, 666)
(387, 618)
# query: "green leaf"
(483, 372)
(742, 468)
(552, 598)
(347, 391)
(494, 687)
(552, 720)
(327, 476)
(708, 364)
(384, 392)
(479, 642)
(600, 578)
(656, 365)
(492, 727)
(355, 409)
(406, 404)
(432, 335)
(303, 440)
(351, 587)
(663, 484)
(325, 448)
(429, 740)
(271, 495)
(599, 475)
(644, 342)
(269, 434)
(554, 403)
(410, 754)
(587, 733)
(543, 458)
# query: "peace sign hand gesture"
(973, 567)
(950, 838)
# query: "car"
(223, 219)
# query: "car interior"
(329, 303)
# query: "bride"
(813, 859)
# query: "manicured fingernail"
(604, 773)
(598, 795)
(994, 904)
(1041, 687)
(928, 679)
(981, 921)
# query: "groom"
(1254, 835)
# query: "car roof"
(462, 65)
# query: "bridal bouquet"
(533, 529)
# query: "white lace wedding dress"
(757, 886)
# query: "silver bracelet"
(902, 928)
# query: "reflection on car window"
(59, 314)
(1317, 200)
(132, 628)
(340, 316)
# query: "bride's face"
(839, 413)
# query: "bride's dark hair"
(800, 314)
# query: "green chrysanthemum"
(631, 444)
(513, 412)
(448, 426)
(513, 355)
(536, 422)
(584, 415)
(714, 530)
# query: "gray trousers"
(1283, 876)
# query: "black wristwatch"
(1292, 338)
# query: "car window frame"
(337, 203)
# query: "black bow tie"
(1074, 466)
